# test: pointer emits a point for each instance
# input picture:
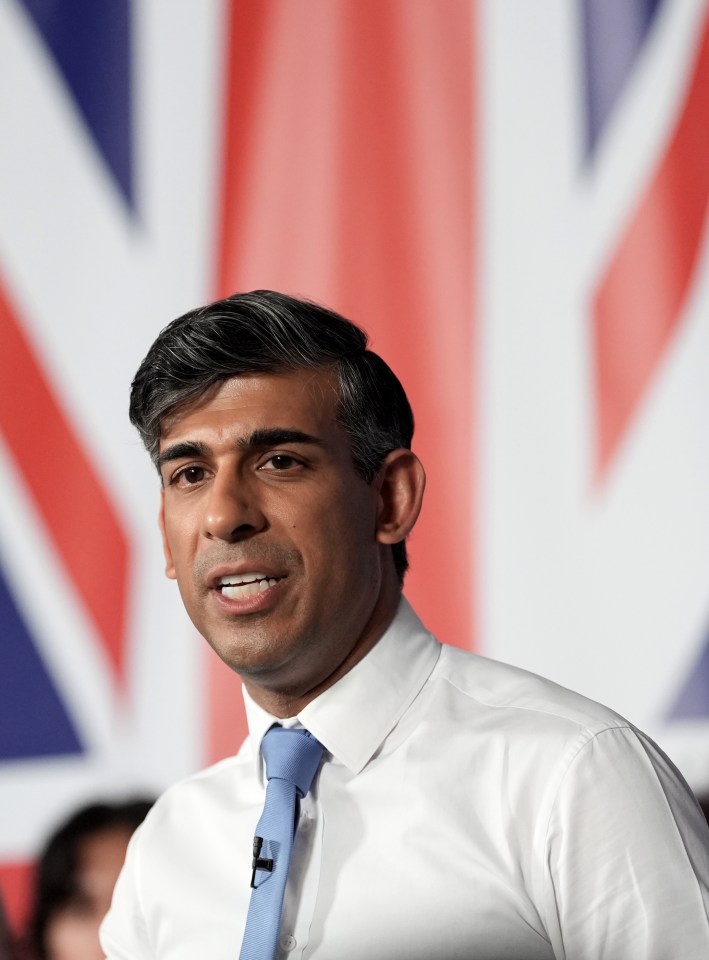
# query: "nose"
(232, 509)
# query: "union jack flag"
(511, 198)
(595, 517)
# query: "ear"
(169, 565)
(401, 482)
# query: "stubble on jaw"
(287, 700)
(257, 656)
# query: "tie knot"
(292, 755)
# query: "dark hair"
(268, 332)
(56, 880)
(7, 945)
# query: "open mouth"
(244, 585)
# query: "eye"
(188, 476)
(280, 462)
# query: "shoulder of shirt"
(530, 704)
(528, 696)
(211, 787)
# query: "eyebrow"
(256, 440)
(274, 437)
(180, 451)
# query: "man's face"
(270, 533)
(72, 928)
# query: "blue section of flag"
(90, 42)
(33, 721)
(693, 700)
(613, 35)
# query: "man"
(463, 808)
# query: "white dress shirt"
(465, 809)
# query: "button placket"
(302, 890)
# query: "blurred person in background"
(74, 882)
(6, 943)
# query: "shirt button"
(306, 821)
(288, 943)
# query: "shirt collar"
(353, 717)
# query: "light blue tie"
(292, 758)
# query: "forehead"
(302, 398)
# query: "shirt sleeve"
(626, 856)
(123, 933)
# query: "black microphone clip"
(259, 863)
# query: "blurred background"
(510, 197)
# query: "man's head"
(268, 332)
(288, 487)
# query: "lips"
(244, 585)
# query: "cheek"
(179, 537)
(341, 534)
(71, 937)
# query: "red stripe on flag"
(69, 496)
(638, 304)
(16, 886)
(348, 178)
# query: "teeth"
(234, 579)
(246, 585)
